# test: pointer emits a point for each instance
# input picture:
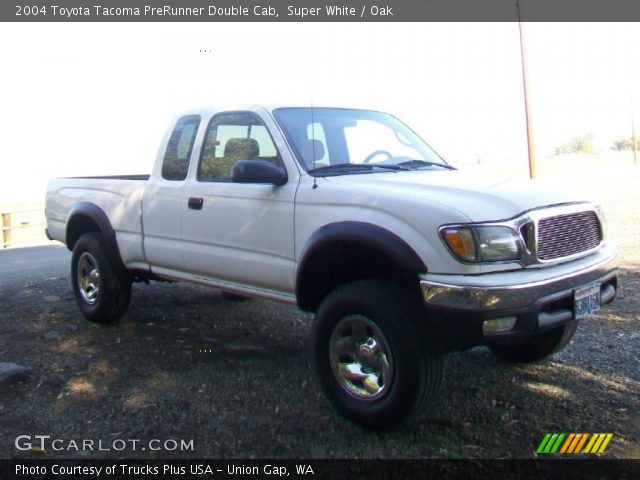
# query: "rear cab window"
(175, 164)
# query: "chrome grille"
(566, 235)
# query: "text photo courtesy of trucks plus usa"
(351, 216)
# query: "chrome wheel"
(360, 358)
(373, 352)
(88, 278)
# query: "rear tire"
(539, 346)
(374, 355)
(102, 289)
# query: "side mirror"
(258, 171)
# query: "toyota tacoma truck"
(348, 214)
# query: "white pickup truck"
(350, 215)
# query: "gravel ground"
(235, 377)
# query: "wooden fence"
(22, 225)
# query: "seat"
(220, 168)
(312, 151)
(241, 149)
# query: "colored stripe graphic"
(543, 443)
(568, 443)
(599, 440)
(556, 445)
(598, 443)
(572, 443)
(590, 444)
(582, 442)
(606, 442)
(550, 443)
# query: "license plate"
(586, 300)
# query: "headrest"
(242, 148)
(310, 149)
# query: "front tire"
(539, 346)
(373, 353)
(101, 288)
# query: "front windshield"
(336, 141)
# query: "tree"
(625, 144)
(583, 144)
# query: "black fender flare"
(96, 214)
(367, 234)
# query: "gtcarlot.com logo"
(574, 443)
(44, 443)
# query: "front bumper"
(540, 298)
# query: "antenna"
(313, 143)
(313, 126)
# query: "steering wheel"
(374, 154)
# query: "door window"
(231, 137)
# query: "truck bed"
(119, 196)
(114, 177)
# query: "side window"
(176, 158)
(231, 137)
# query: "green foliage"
(583, 144)
(625, 144)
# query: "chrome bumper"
(517, 290)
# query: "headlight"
(482, 243)
(461, 242)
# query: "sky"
(96, 98)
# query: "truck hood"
(479, 197)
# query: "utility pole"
(634, 141)
(527, 100)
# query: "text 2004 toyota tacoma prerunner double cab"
(350, 215)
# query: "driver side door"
(238, 233)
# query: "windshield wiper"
(424, 163)
(350, 167)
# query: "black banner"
(325, 11)
(318, 469)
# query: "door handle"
(195, 203)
